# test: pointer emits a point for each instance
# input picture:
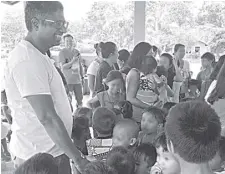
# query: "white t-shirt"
(29, 72)
(93, 67)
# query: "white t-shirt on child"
(29, 72)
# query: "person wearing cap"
(113, 95)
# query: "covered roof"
(10, 2)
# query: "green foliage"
(167, 23)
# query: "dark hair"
(160, 140)
(146, 150)
(121, 159)
(194, 129)
(177, 46)
(154, 48)
(123, 55)
(97, 47)
(217, 68)
(222, 148)
(36, 9)
(194, 82)
(169, 56)
(103, 120)
(136, 58)
(107, 49)
(98, 167)
(80, 125)
(83, 111)
(113, 75)
(167, 106)
(209, 56)
(126, 109)
(67, 35)
(148, 64)
(158, 113)
(40, 163)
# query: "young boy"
(193, 132)
(145, 157)
(166, 162)
(103, 121)
(152, 123)
(98, 167)
(121, 160)
(217, 164)
(207, 60)
(41, 163)
(125, 133)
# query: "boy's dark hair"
(194, 129)
(103, 120)
(40, 163)
(160, 140)
(122, 160)
(209, 56)
(126, 109)
(123, 55)
(177, 46)
(83, 111)
(146, 150)
(222, 148)
(40, 9)
(158, 113)
(98, 167)
(168, 105)
(67, 35)
(80, 124)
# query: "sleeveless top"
(147, 93)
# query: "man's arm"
(45, 111)
(34, 86)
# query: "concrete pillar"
(139, 21)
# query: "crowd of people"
(145, 115)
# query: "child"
(193, 89)
(98, 167)
(145, 157)
(167, 106)
(217, 164)
(81, 133)
(207, 60)
(152, 123)
(84, 112)
(193, 132)
(125, 133)
(122, 160)
(103, 121)
(41, 163)
(166, 162)
(113, 95)
(126, 109)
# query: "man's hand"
(80, 165)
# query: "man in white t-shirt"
(42, 117)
